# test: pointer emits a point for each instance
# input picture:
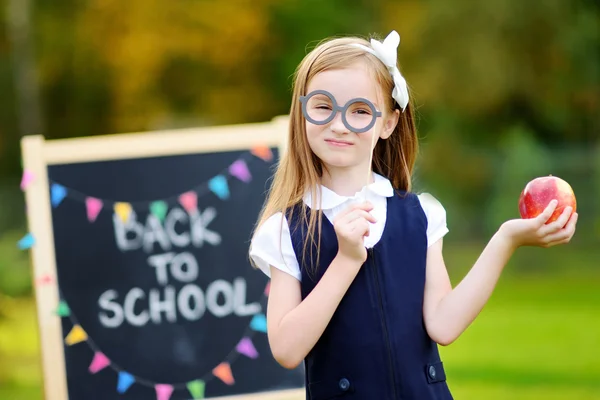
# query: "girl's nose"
(337, 124)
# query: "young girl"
(359, 290)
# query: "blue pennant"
(259, 323)
(26, 242)
(125, 381)
(57, 194)
(218, 185)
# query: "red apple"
(539, 192)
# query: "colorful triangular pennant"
(63, 309)
(263, 152)
(196, 388)
(57, 194)
(246, 347)
(218, 185)
(99, 362)
(93, 207)
(240, 170)
(223, 372)
(163, 391)
(189, 201)
(26, 179)
(259, 323)
(159, 210)
(45, 279)
(123, 210)
(76, 335)
(124, 382)
(26, 242)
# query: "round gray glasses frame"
(336, 108)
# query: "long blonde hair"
(299, 170)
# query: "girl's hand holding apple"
(540, 231)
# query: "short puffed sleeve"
(271, 245)
(436, 218)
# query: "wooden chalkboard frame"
(39, 153)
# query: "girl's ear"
(390, 124)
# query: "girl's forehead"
(346, 83)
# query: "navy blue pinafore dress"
(375, 346)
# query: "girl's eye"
(323, 107)
(362, 112)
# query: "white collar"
(381, 186)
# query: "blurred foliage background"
(505, 90)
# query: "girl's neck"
(346, 182)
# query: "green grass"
(537, 338)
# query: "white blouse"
(272, 243)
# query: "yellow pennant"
(76, 335)
(123, 210)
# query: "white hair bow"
(387, 52)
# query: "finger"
(360, 227)
(358, 214)
(560, 222)
(365, 206)
(547, 213)
(563, 235)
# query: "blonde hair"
(299, 169)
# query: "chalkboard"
(141, 264)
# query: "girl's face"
(336, 144)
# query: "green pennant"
(196, 388)
(159, 210)
(63, 309)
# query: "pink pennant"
(26, 179)
(93, 206)
(239, 169)
(246, 348)
(163, 391)
(44, 279)
(189, 201)
(98, 363)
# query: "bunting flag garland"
(263, 152)
(26, 242)
(57, 194)
(63, 309)
(196, 388)
(123, 210)
(93, 207)
(223, 372)
(77, 335)
(98, 363)
(163, 391)
(259, 323)
(159, 209)
(239, 169)
(26, 179)
(189, 201)
(246, 347)
(45, 279)
(218, 185)
(125, 381)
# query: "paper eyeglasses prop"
(358, 115)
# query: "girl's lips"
(339, 143)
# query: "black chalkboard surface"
(155, 294)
